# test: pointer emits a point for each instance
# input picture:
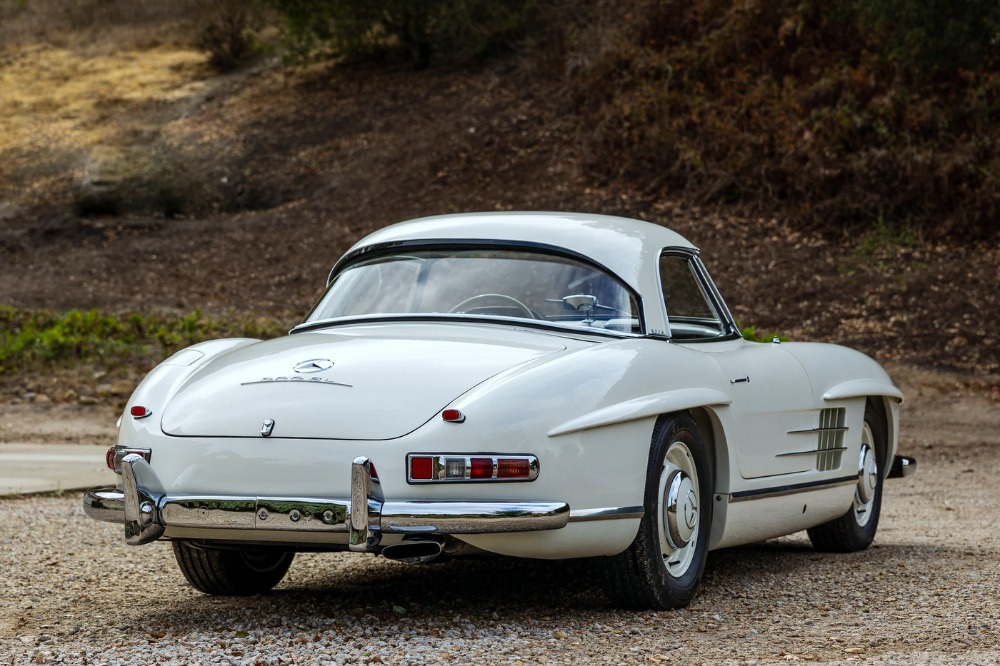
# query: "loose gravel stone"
(71, 592)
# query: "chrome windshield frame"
(369, 252)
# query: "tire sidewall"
(674, 591)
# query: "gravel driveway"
(927, 592)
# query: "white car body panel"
(584, 404)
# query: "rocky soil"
(927, 592)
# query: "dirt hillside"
(138, 180)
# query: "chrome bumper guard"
(902, 466)
(146, 511)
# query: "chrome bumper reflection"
(146, 511)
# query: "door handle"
(740, 380)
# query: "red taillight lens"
(513, 468)
(482, 468)
(453, 416)
(374, 474)
(139, 412)
(115, 455)
(451, 468)
(422, 468)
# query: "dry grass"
(95, 108)
(94, 24)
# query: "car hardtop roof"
(621, 244)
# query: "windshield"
(514, 284)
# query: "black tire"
(855, 530)
(662, 568)
(231, 572)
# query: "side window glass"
(690, 312)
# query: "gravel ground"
(926, 593)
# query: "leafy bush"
(30, 339)
(750, 334)
(942, 36)
(451, 29)
(227, 32)
(814, 108)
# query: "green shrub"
(227, 32)
(450, 29)
(936, 35)
(750, 334)
(809, 108)
(31, 339)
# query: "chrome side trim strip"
(811, 452)
(606, 513)
(781, 491)
(813, 431)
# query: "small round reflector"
(139, 412)
(453, 416)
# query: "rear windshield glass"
(513, 284)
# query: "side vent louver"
(831, 439)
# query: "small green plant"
(228, 32)
(750, 334)
(31, 339)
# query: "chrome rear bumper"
(146, 511)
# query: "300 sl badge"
(296, 380)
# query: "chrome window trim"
(700, 273)
(372, 251)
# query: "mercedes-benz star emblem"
(267, 428)
(313, 365)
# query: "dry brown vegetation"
(134, 178)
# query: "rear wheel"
(855, 530)
(231, 572)
(663, 566)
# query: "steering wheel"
(463, 306)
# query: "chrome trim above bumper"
(146, 511)
(606, 513)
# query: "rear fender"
(643, 407)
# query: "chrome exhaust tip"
(413, 552)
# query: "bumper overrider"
(147, 511)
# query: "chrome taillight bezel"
(444, 465)
(122, 451)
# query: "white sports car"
(541, 385)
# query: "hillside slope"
(235, 194)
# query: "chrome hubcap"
(680, 511)
(864, 495)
